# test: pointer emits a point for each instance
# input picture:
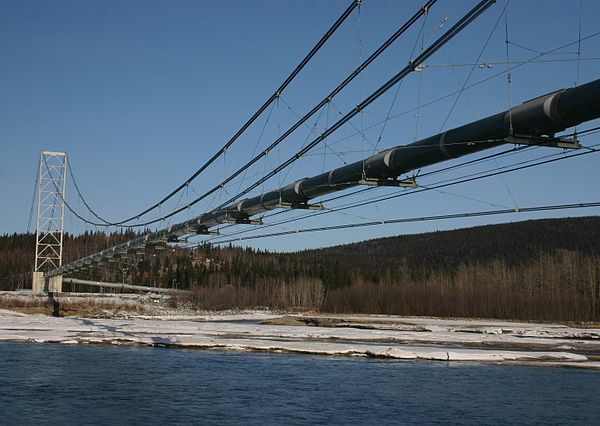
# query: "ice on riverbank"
(377, 336)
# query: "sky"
(140, 94)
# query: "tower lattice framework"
(50, 210)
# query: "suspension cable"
(37, 176)
(517, 64)
(438, 185)
(418, 219)
(354, 4)
(422, 11)
(522, 63)
(462, 89)
(451, 33)
(361, 190)
(511, 151)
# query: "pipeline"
(124, 286)
(541, 116)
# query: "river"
(100, 384)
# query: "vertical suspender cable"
(251, 120)
(423, 11)
(457, 28)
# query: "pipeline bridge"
(541, 122)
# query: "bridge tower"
(50, 219)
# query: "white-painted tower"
(50, 219)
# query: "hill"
(542, 269)
(512, 243)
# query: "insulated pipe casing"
(331, 181)
(556, 111)
(544, 115)
(293, 193)
(482, 134)
(271, 199)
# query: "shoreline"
(380, 336)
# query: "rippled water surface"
(62, 384)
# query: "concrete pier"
(37, 283)
(55, 284)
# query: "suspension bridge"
(548, 121)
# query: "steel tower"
(50, 218)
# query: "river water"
(82, 384)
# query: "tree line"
(538, 270)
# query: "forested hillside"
(17, 253)
(514, 243)
(544, 269)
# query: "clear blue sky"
(140, 94)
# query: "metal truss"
(50, 211)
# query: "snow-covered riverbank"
(379, 336)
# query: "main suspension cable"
(451, 33)
(517, 64)
(422, 11)
(251, 120)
